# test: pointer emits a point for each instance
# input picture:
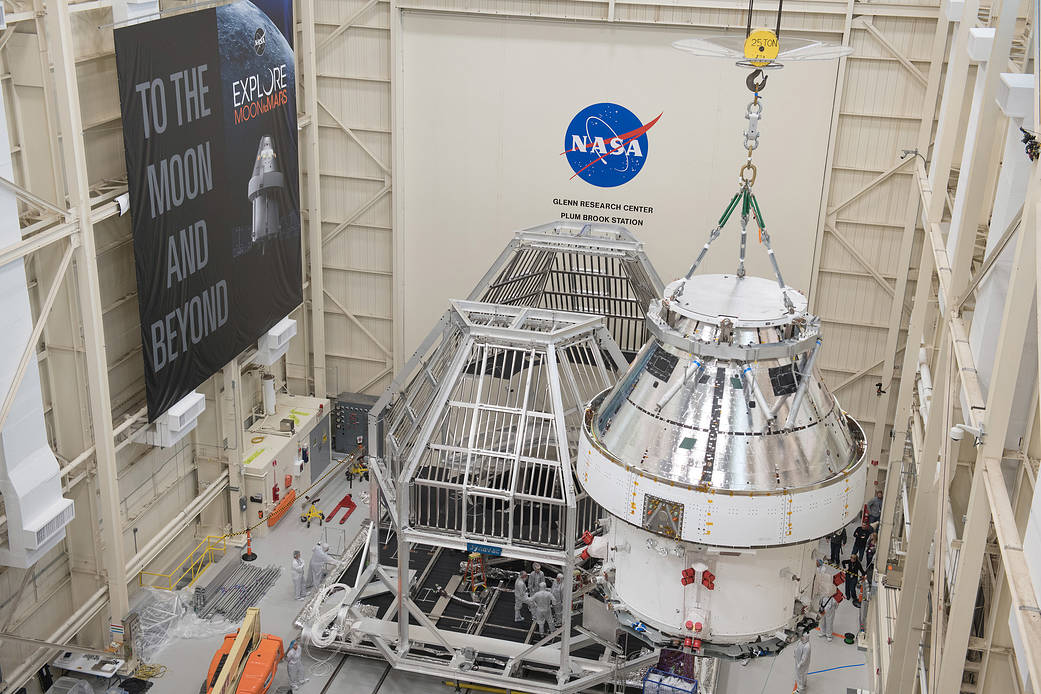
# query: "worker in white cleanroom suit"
(542, 604)
(535, 578)
(316, 570)
(520, 595)
(294, 666)
(828, 607)
(557, 589)
(298, 575)
(802, 662)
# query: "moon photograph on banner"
(590, 124)
(208, 101)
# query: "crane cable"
(748, 26)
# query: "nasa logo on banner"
(259, 41)
(606, 144)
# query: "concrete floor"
(188, 659)
(835, 667)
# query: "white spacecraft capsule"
(266, 187)
(722, 459)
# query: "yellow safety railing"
(191, 567)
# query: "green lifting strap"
(758, 213)
(729, 210)
(745, 202)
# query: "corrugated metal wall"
(354, 117)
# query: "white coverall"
(828, 607)
(535, 579)
(802, 662)
(295, 668)
(316, 570)
(557, 589)
(298, 578)
(520, 596)
(542, 604)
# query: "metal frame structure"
(596, 269)
(479, 436)
(940, 602)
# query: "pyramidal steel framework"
(483, 429)
(479, 440)
(599, 269)
(476, 442)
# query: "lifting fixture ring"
(747, 174)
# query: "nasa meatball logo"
(259, 41)
(606, 144)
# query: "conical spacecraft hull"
(722, 459)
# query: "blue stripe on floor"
(840, 667)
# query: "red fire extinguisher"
(274, 492)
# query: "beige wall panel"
(885, 203)
(885, 85)
(364, 54)
(456, 217)
(343, 156)
(366, 103)
(873, 143)
(879, 245)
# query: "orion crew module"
(721, 458)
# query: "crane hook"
(750, 81)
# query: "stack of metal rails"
(237, 587)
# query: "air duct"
(30, 481)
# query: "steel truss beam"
(988, 502)
(34, 337)
(907, 635)
(865, 23)
(312, 159)
(73, 148)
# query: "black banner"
(209, 126)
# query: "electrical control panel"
(350, 421)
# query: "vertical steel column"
(914, 593)
(231, 378)
(833, 129)
(950, 109)
(67, 88)
(925, 131)
(404, 548)
(570, 530)
(973, 184)
(938, 176)
(1022, 285)
(309, 62)
(901, 420)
